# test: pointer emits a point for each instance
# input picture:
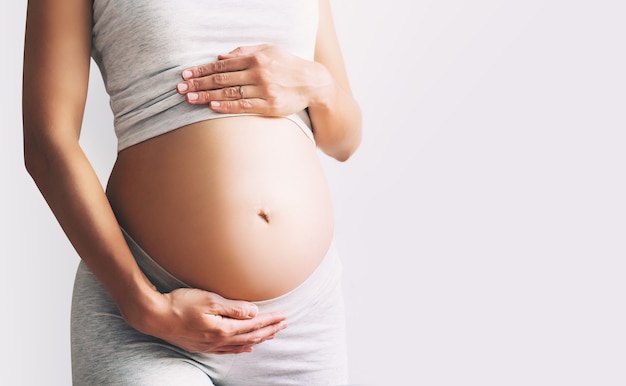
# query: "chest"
(179, 28)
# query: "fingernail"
(192, 96)
(182, 87)
(187, 74)
(215, 104)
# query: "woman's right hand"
(204, 322)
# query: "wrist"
(140, 303)
(323, 90)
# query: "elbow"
(32, 148)
(34, 162)
(350, 143)
(340, 134)
(346, 153)
(348, 147)
(342, 157)
(339, 150)
(30, 157)
(29, 165)
(37, 154)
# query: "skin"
(231, 216)
(55, 79)
(277, 83)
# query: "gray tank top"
(142, 47)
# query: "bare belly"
(238, 206)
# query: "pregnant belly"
(238, 206)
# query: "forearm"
(193, 319)
(336, 117)
(76, 197)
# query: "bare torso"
(238, 206)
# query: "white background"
(482, 223)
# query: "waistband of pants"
(322, 281)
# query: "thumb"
(236, 309)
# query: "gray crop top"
(142, 47)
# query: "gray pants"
(310, 351)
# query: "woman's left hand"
(262, 79)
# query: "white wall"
(482, 223)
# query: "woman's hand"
(262, 79)
(269, 81)
(204, 322)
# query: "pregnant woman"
(209, 259)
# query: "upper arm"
(327, 49)
(56, 69)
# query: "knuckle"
(219, 66)
(220, 78)
(245, 104)
(272, 92)
(231, 92)
(194, 84)
(211, 303)
(256, 59)
(225, 332)
(264, 75)
(238, 312)
(212, 298)
(273, 102)
(201, 71)
(203, 97)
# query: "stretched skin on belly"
(238, 206)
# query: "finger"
(268, 324)
(233, 310)
(214, 82)
(257, 337)
(242, 51)
(242, 342)
(219, 66)
(242, 333)
(225, 94)
(239, 106)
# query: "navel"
(264, 214)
